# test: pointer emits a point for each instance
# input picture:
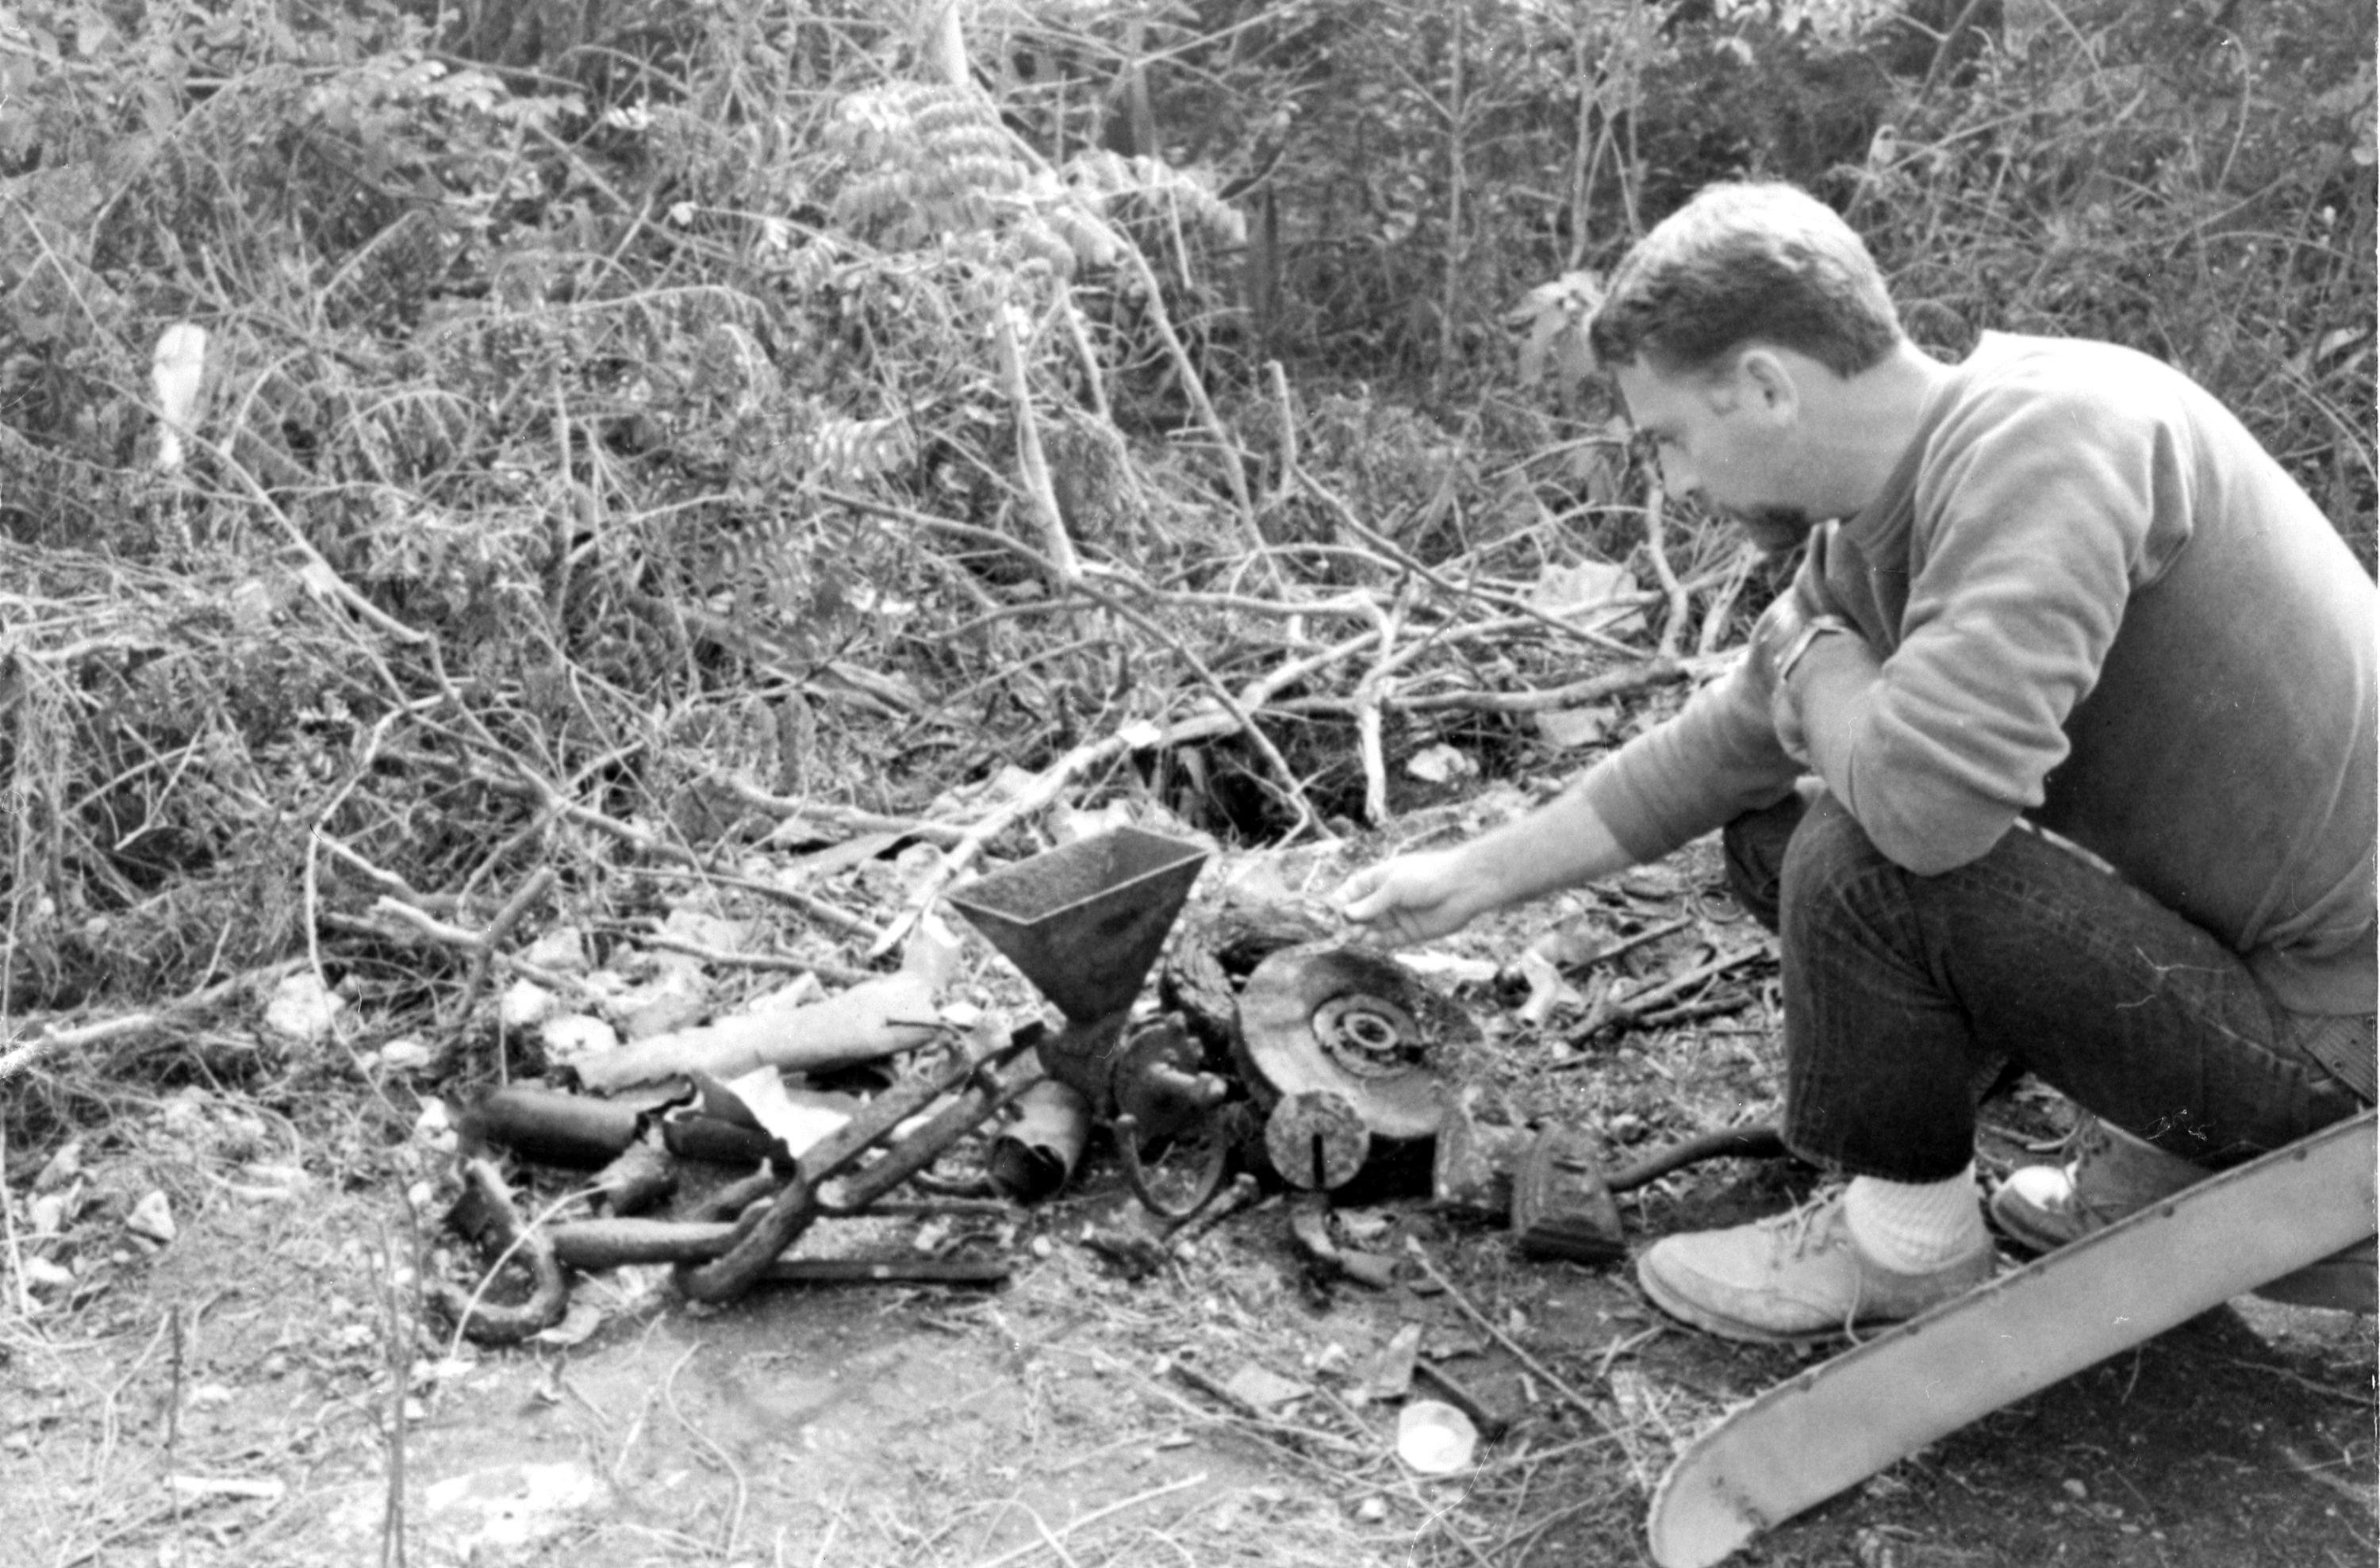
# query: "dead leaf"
(1572, 943)
(1569, 727)
(1587, 594)
(1391, 1373)
(562, 949)
(932, 950)
(262, 1488)
(1264, 1388)
(62, 1166)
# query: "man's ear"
(1768, 381)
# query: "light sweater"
(2102, 606)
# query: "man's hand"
(1412, 897)
(1780, 642)
(1781, 626)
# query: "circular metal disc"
(1316, 1140)
(1356, 1023)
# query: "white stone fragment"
(303, 1009)
(152, 1217)
(575, 1034)
(524, 1005)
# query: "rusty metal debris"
(740, 1236)
(1351, 1054)
(1331, 1056)
(1084, 924)
(486, 1213)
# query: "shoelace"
(1794, 1228)
(1798, 1226)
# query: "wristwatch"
(1811, 629)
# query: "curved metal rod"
(1757, 1143)
(484, 1322)
(1135, 1175)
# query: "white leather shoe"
(1793, 1277)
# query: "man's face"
(1716, 439)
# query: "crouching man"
(2055, 596)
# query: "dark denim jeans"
(1906, 997)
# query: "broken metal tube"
(1038, 1153)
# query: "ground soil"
(230, 1396)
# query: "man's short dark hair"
(1742, 262)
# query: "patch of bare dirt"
(261, 1389)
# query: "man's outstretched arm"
(1428, 894)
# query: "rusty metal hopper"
(1084, 922)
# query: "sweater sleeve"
(1717, 759)
(2034, 515)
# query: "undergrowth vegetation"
(618, 429)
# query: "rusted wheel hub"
(1356, 1024)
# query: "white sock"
(1912, 1227)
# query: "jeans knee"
(1754, 846)
(1828, 858)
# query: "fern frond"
(1111, 183)
(1041, 241)
(848, 452)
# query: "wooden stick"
(1033, 468)
(852, 817)
(1370, 693)
(1018, 1553)
(1575, 1398)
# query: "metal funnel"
(1084, 920)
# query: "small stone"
(404, 1055)
(152, 1217)
(525, 1004)
(2075, 1488)
(301, 1010)
(434, 1130)
(43, 1274)
(1372, 1509)
(575, 1035)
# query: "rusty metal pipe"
(590, 1245)
(773, 1229)
(1036, 1156)
(982, 1097)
